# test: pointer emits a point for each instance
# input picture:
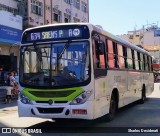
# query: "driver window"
(99, 61)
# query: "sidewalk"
(9, 108)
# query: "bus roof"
(100, 31)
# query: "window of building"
(84, 7)
(67, 18)
(36, 7)
(57, 15)
(76, 19)
(9, 9)
(68, 1)
(131, 37)
(76, 4)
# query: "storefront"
(10, 35)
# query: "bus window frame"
(98, 72)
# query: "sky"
(120, 16)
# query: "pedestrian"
(8, 79)
(8, 98)
(16, 77)
(16, 85)
(12, 83)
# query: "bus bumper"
(82, 111)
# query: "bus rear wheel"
(112, 110)
(143, 97)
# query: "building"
(148, 38)
(40, 12)
(10, 35)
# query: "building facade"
(147, 38)
(41, 12)
(10, 36)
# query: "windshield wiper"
(38, 51)
(66, 46)
(59, 55)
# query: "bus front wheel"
(112, 110)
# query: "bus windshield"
(56, 64)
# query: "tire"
(112, 109)
(58, 120)
(143, 96)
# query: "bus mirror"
(101, 48)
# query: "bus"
(80, 71)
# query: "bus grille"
(50, 110)
(53, 94)
(56, 102)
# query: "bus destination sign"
(55, 33)
(58, 34)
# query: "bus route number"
(35, 36)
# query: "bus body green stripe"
(77, 91)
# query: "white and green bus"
(80, 71)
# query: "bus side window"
(110, 54)
(133, 59)
(129, 58)
(146, 63)
(142, 62)
(120, 56)
(150, 63)
(139, 61)
(136, 61)
(100, 56)
(116, 65)
(125, 56)
(99, 59)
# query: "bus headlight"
(24, 99)
(82, 98)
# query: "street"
(134, 115)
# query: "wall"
(35, 20)
(149, 39)
(10, 3)
(71, 10)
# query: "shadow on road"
(8, 105)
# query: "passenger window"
(136, 61)
(99, 59)
(142, 62)
(100, 56)
(129, 58)
(120, 57)
(116, 65)
(125, 56)
(110, 54)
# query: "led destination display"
(55, 33)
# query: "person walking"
(12, 82)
